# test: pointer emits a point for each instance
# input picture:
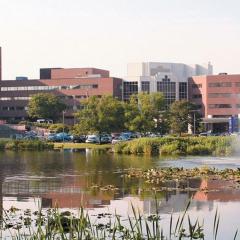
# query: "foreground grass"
(53, 224)
(82, 146)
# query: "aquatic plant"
(54, 224)
(223, 146)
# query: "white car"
(119, 139)
(92, 139)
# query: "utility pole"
(63, 112)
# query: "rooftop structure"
(169, 78)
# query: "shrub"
(198, 150)
(170, 149)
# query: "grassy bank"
(218, 146)
(17, 145)
(82, 146)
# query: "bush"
(58, 127)
(171, 149)
(198, 150)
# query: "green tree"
(181, 116)
(105, 114)
(144, 112)
(45, 105)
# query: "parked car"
(62, 136)
(119, 139)
(115, 135)
(49, 121)
(92, 139)
(79, 139)
(59, 137)
(105, 138)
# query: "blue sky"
(109, 33)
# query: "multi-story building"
(169, 78)
(71, 85)
(218, 98)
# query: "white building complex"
(169, 78)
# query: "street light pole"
(63, 112)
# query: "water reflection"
(66, 179)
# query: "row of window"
(14, 98)
(218, 84)
(14, 108)
(61, 97)
(222, 106)
(49, 88)
(221, 95)
(217, 95)
(224, 84)
(21, 108)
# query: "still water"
(66, 179)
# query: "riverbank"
(68, 145)
(17, 145)
(169, 146)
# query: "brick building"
(71, 85)
(218, 98)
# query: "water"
(67, 179)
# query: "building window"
(197, 96)
(48, 88)
(182, 90)
(237, 84)
(219, 95)
(20, 108)
(220, 84)
(129, 88)
(145, 86)
(194, 85)
(168, 89)
(5, 98)
(220, 106)
(237, 105)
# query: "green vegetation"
(163, 175)
(221, 146)
(46, 106)
(82, 146)
(17, 145)
(181, 116)
(105, 114)
(143, 113)
(54, 224)
(59, 127)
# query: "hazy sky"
(110, 33)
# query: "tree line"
(143, 113)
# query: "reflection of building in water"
(73, 192)
(219, 190)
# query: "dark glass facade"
(168, 89)
(129, 88)
(183, 90)
(145, 85)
